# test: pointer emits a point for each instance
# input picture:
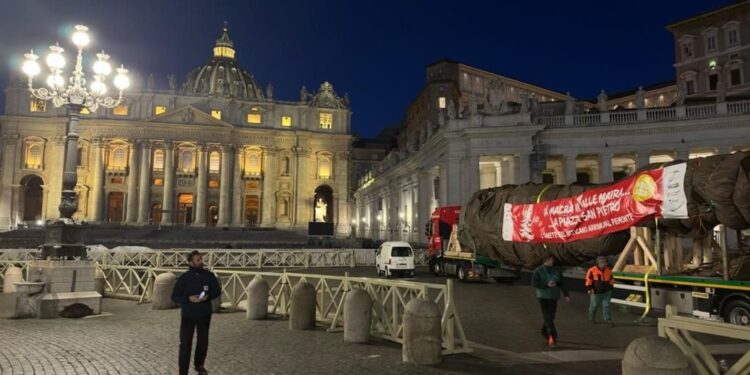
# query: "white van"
(394, 257)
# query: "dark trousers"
(549, 307)
(188, 325)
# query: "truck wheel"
(437, 268)
(737, 312)
(462, 275)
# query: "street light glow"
(80, 37)
(55, 59)
(30, 66)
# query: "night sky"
(374, 50)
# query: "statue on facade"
(188, 116)
(346, 99)
(524, 101)
(601, 101)
(640, 98)
(172, 82)
(269, 91)
(150, 84)
(681, 92)
(321, 209)
(533, 104)
(451, 109)
(721, 91)
(303, 94)
(473, 106)
(570, 104)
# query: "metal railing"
(389, 297)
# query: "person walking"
(599, 285)
(548, 282)
(194, 291)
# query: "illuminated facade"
(217, 151)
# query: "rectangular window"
(254, 118)
(158, 182)
(732, 37)
(713, 80)
(441, 102)
(120, 110)
(159, 109)
(735, 76)
(215, 113)
(286, 121)
(687, 50)
(213, 183)
(690, 86)
(37, 105)
(326, 120)
(711, 43)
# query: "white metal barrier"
(389, 297)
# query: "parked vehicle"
(394, 258)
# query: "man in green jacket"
(547, 279)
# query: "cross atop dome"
(224, 46)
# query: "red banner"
(599, 211)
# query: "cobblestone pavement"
(502, 321)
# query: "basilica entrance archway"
(252, 210)
(31, 198)
(185, 209)
(323, 205)
(115, 202)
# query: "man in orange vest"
(599, 285)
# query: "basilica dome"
(222, 76)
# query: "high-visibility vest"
(595, 274)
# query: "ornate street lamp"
(64, 237)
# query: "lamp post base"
(63, 240)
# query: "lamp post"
(64, 237)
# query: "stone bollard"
(257, 300)
(161, 297)
(99, 282)
(12, 275)
(357, 316)
(654, 355)
(302, 309)
(216, 302)
(422, 333)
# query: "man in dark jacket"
(194, 291)
(547, 279)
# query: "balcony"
(647, 115)
(117, 170)
(252, 175)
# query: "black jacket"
(192, 283)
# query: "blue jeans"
(598, 299)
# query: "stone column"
(442, 192)
(54, 161)
(523, 161)
(470, 177)
(569, 161)
(270, 177)
(237, 198)
(643, 159)
(131, 210)
(9, 165)
(424, 197)
(303, 198)
(167, 205)
(225, 202)
(144, 188)
(97, 195)
(200, 189)
(605, 167)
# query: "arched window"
(186, 160)
(214, 162)
(34, 156)
(324, 168)
(159, 160)
(119, 158)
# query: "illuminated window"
(120, 110)
(34, 156)
(441, 102)
(286, 121)
(37, 105)
(159, 160)
(215, 113)
(326, 120)
(85, 111)
(159, 109)
(214, 162)
(119, 159)
(158, 182)
(213, 183)
(224, 52)
(324, 168)
(186, 160)
(254, 118)
(252, 164)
